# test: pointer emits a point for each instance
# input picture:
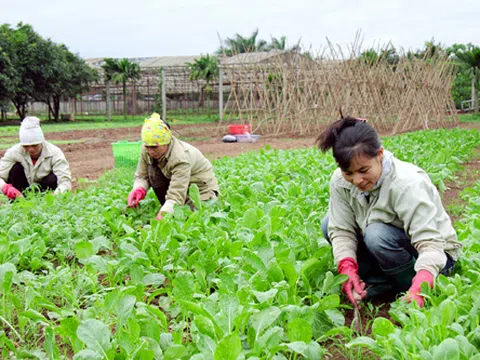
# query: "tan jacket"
(408, 200)
(184, 165)
(51, 159)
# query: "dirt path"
(90, 156)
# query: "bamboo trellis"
(301, 96)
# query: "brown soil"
(93, 156)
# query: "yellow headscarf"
(155, 131)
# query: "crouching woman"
(33, 161)
(170, 166)
(386, 223)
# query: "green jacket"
(51, 159)
(408, 200)
(184, 165)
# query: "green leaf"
(299, 330)
(50, 345)
(231, 307)
(205, 326)
(228, 348)
(68, 328)
(447, 350)
(362, 341)
(265, 296)
(263, 319)
(154, 279)
(88, 354)
(95, 335)
(313, 351)
(34, 315)
(194, 195)
(4, 269)
(175, 352)
(297, 346)
(250, 219)
(448, 312)
(382, 327)
(84, 249)
(196, 309)
(124, 307)
(271, 338)
(254, 260)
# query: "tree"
(121, 71)
(33, 68)
(240, 44)
(8, 76)
(389, 54)
(281, 44)
(468, 59)
(65, 76)
(20, 59)
(369, 57)
(204, 68)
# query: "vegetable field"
(247, 277)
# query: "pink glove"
(414, 291)
(11, 192)
(135, 196)
(349, 267)
(159, 216)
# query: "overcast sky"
(119, 28)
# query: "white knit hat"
(30, 132)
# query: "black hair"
(347, 138)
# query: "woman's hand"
(135, 196)
(10, 192)
(413, 293)
(349, 267)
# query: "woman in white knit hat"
(33, 161)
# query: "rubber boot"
(377, 285)
(402, 276)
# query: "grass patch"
(98, 122)
(55, 142)
(469, 117)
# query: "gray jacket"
(51, 159)
(184, 165)
(408, 200)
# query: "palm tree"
(281, 44)
(121, 71)
(204, 68)
(469, 59)
(240, 44)
(369, 57)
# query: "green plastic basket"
(126, 153)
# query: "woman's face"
(156, 152)
(364, 172)
(33, 150)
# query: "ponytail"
(348, 137)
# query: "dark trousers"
(385, 253)
(158, 181)
(19, 181)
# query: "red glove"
(135, 196)
(349, 267)
(11, 192)
(414, 291)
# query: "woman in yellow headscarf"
(170, 166)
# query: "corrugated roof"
(252, 58)
(150, 62)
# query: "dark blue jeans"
(386, 250)
(19, 181)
